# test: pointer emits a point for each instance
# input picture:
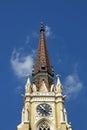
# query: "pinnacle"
(28, 84)
(28, 79)
(58, 79)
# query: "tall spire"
(42, 69)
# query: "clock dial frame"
(44, 109)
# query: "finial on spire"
(42, 27)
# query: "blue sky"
(66, 30)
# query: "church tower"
(44, 107)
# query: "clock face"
(44, 109)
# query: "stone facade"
(56, 120)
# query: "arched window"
(44, 126)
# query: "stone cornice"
(44, 96)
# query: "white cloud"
(22, 65)
(27, 40)
(48, 31)
(72, 85)
(19, 89)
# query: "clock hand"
(42, 107)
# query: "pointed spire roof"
(42, 59)
(42, 69)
